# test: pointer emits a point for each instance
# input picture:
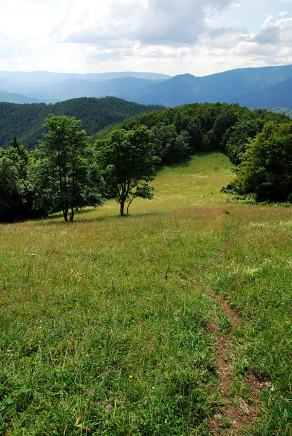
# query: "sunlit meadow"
(103, 320)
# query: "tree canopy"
(266, 170)
(26, 121)
(16, 190)
(128, 162)
(63, 176)
(69, 170)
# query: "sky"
(167, 36)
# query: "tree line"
(68, 170)
(65, 173)
(258, 143)
(26, 121)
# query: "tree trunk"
(65, 214)
(72, 215)
(129, 203)
(122, 208)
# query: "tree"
(62, 172)
(226, 117)
(237, 138)
(15, 188)
(20, 148)
(266, 170)
(169, 145)
(128, 161)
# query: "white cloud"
(159, 22)
(269, 35)
(171, 36)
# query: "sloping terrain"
(50, 87)
(253, 87)
(119, 325)
(265, 87)
(25, 121)
(11, 97)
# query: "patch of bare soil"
(233, 317)
(231, 418)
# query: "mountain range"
(265, 87)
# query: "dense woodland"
(26, 121)
(68, 170)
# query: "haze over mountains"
(266, 87)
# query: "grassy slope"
(103, 321)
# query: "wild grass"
(103, 320)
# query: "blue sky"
(252, 13)
(169, 36)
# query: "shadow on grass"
(187, 160)
(183, 163)
(55, 221)
(77, 212)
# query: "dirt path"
(231, 418)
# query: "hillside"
(51, 87)
(125, 87)
(10, 97)
(252, 87)
(173, 321)
(25, 121)
(265, 87)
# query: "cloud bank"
(171, 36)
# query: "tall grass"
(103, 321)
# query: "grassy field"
(104, 322)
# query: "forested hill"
(25, 121)
(12, 97)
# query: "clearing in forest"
(174, 320)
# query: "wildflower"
(109, 408)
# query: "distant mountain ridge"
(25, 121)
(253, 87)
(44, 86)
(12, 97)
(265, 87)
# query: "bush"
(266, 169)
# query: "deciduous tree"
(266, 170)
(128, 162)
(63, 174)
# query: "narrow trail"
(242, 414)
(230, 417)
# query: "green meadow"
(104, 321)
